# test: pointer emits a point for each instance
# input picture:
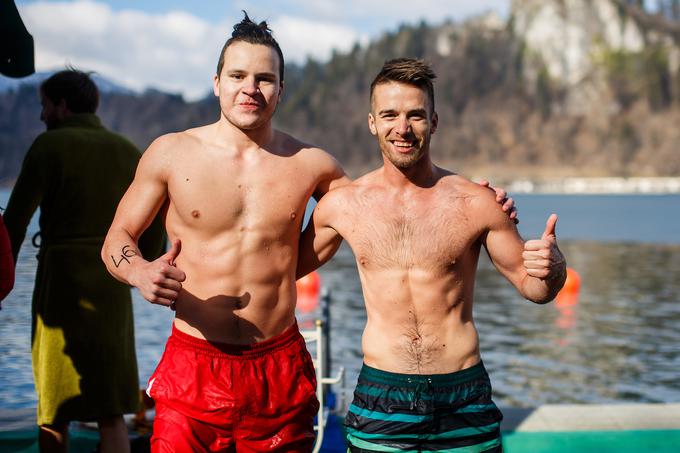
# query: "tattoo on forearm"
(126, 252)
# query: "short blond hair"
(410, 71)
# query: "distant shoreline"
(598, 186)
(582, 186)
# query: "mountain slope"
(564, 87)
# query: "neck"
(421, 174)
(244, 138)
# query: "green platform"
(27, 442)
(661, 441)
(657, 441)
(620, 428)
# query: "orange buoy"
(308, 292)
(569, 293)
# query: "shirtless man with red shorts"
(235, 370)
(235, 373)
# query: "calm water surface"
(620, 343)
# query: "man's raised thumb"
(171, 254)
(550, 227)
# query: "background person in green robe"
(84, 361)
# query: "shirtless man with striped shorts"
(416, 231)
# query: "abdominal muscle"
(418, 324)
(239, 289)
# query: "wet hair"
(410, 71)
(75, 87)
(252, 33)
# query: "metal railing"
(321, 360)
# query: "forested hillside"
(516, 98)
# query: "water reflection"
(619, 343)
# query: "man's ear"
(435, 122)
(281, 86)
(216, 85)
(371, 124)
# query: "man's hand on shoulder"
(507, 204)
(160, 281)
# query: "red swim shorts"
(214, 397)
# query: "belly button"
(195, 214)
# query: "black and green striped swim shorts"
(423, 413)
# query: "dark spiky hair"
(250, 32)
(410, 71)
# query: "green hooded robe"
(83, 348)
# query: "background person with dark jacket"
(83, 349)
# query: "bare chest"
(221, 196)
(397, 235)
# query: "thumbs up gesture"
(160, 281)
(542, 258)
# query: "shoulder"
(311, 154)
(320, 165)
(174, 139)
(163, 153)
(121, 141)
(170, 145)
(333, 199)
(472, 192)
(342, 201)
(46, 144)
(476, 192)
(353, 192)
(47, 140)
(481, 203)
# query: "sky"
(174, 45)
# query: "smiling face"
(403, 121)
(249, 87)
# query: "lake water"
(620, 343)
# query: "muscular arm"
(319, 241)
(536, 268)
(158, 281)
(333, 176)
